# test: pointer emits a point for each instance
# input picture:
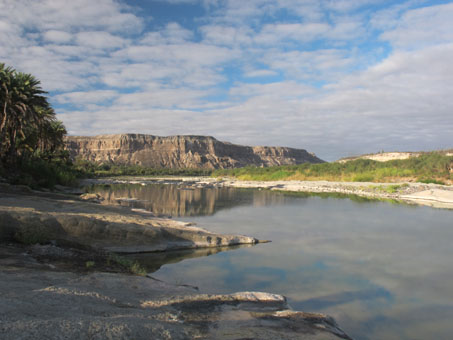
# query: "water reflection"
(383, 271)
(178, 200)
(153, 261)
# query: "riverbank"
(40, 301)
(35, 216)
(433, 195)
(57, 290)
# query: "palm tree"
(52, 135)
(6, 76)
(24, 110)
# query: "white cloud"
(259, 73)
(227, 35)
(328, 93)
(315, 65)
(193, 53)
(57, 36)
(347, 5)
(276, 33)
(67, 14)
(100, 40)
(173, 33)
(424, 26)
(84, 98)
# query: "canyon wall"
(181, 152)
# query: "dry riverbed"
(68, 288)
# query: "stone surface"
(181, 152)
(38, 217)
(40, 303)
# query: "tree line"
(28, 124)
(31, 137)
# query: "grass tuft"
(131, 266)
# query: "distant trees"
(28, 126)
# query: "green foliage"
(89, 264)
(39, 171)
(131, 266)
(27, 121)
(90, 169)
(431, 167)
(31, 138)
(430, 180)
(390, 189)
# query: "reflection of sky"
(383, 271)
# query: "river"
(382, 270)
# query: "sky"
(337, 78)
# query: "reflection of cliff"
(170, 199)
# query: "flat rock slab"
(33, 217)
(38, 303)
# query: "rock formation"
(39, 301)
(181, 152)
(36, 218)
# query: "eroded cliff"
(181, 152)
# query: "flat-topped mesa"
(181, 152)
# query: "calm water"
(384, 271)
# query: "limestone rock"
(36, 219)
(95, 198)
(181, 152)
(39, 303)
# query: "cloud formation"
(335, 77)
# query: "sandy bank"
(434, 195)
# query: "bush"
(90, 169)
(432, 167)
(41, 173)
(430, 180)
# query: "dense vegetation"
(432, 167)
(89, 169)
(31, 138)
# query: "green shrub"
(41, 173)
(432, 167)
(363, 178)
(89, 264)
(430, 180)
(131, 266)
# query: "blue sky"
(337, 78)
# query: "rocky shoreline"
(50, 292)
(433, 195)
(42, 302)
(67, 288)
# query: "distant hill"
(388, 156)
(175, 152)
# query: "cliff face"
(181, 152)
